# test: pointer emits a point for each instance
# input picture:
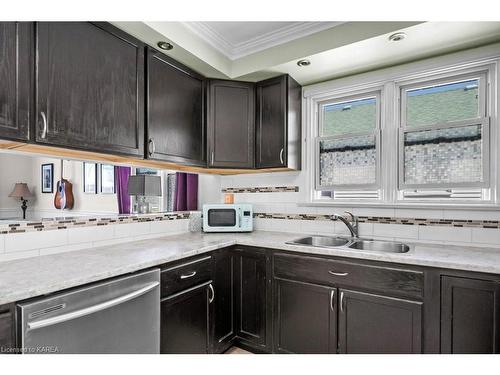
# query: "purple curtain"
(122, 175)
(186, 192)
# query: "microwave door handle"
(238, 218)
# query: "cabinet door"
(252, 296)
(90, 88)
(305, 318)
(231, 124)
(185, 322)
(270, 126)
(470, 316)
(374, 324)
(16, 66)
(224, 329)
(175, 97)
(7, 329)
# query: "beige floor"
(236, 350)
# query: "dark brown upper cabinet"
(278, 123)
(90, 88)
(470, 316)
(175, 111)
(231, 120)
(16, 78)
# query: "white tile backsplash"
(30, 244)
(316, 226)
(437, 233)
(89, 234)
(418, 213)
(393, 230)
(132, 229)
(486, 236)
(35, 240)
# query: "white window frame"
(483, 120)
(388, 81)
(375, 133)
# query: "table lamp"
(21, 191)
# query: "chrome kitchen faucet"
(352, 225)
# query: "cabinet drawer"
(394, 281)
(185, 275)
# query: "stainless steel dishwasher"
(117, 316)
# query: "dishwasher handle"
(92, 309)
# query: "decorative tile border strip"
(262, 189)
(494, 224)
(77, 222)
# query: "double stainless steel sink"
(352, 243)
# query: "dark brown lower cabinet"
(305, 318)
(252, 296)
(7, 329)
(470, 315)
(185, 321)
(375, 324)
(224, 329)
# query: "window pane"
(353, 116)
(347, 161)
(442, 103)
(452, 155)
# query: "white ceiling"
(423, 40)
(253, 51)
(239, 39)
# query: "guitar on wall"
(64, 199)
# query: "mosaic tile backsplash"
(347, 161)
(492, 224)
(443, 156)
(77, 222)
(261, 189)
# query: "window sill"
(415, 205)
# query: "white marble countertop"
(26, 278)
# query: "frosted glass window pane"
(347, 117)
(347, 161)
(438, 156)
(442, 103)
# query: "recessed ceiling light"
(397, 37)
(303, 62)
(165, 46)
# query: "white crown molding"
(271, 39)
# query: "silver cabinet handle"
(212, 291)
(341, 301)
(151, 147)
(212, 158)
(188, 275)
(338, 273)
(44, 129)
(92, 309)
(281, 156)
(332, 294)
